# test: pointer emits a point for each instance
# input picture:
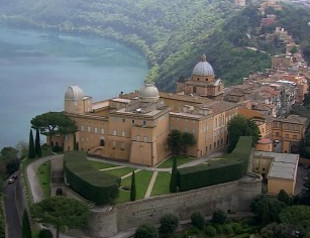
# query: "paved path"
(127, 164)
(151, 185)
(129, 174)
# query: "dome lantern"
(203, 68)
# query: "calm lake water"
(37, 67)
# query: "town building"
(280, 170)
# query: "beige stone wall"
(275, 185)
(231, 197)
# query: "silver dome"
(149, 93)
(203, 68)
(74, 93)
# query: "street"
(12, 217)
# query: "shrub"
(237, 228)
(230, 168)
(219, 217)
(44, 233)
(219, 228)
(98, 187)
(168, 224)
(198, 220)
(210, 231)
(191, 232)
(146, 230)
(227, 229)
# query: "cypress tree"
(174, 176)
(133, 187)
(31, 149)
(26, 229)
(38, 144)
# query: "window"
(138, 138)
(113, 144)
(286, 136)
(123, 146)
(123, 120)
(123, 133)
(96, 130)
(102, 143)
(132, 121)
(194, 90)
(295, 137)
(194, 131)
(145, 139)
(185, 129)
(82, 128)
(114, 133)
(88, 128)
(102, 131)
(144, 123)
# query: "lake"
(36, 67)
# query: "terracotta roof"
(249, 113)
(296, 119)
(185, 98)
(220, 106)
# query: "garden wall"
(232, 197)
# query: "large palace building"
(134, 127)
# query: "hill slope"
(171, 34)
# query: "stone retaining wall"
(231, 197)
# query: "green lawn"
(100, 165)
(119, 172)
(180, 160)
(44, 174)
(162, 184)
(124, 196)
(142, 182)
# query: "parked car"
(11, 180)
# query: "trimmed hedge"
(98, 187)
(221, 170)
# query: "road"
(12, 217)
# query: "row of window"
(286, 135)
(114, 119)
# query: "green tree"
(37, 144)
(284, 197)
(61, 212)
(294, 50)
(133, 187)
(240, 126)
(8, 153)
(210, 231)
(9, 161)
(26, 229)
(44, 233)
(188, 139)
(266, 209)
(296, 215)
(275, 230)
(219, 217)
(168, 224)
(52, 123)
(198, 220)
(31, 149)
(146, 230)
(175, 141)
(174, 176)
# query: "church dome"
(74, 93)
(203, 68)
(149, 93)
